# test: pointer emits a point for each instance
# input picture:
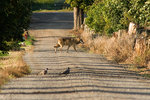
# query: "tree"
(15, 17)
(79, 7)
(139, 12)
(109, 16)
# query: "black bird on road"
(67, 71)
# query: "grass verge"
(46, 10)
(120, 50)
(12, 64)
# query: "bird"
(43, 72)
(67, 71)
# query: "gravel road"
(92, 77)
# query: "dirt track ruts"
(92, 77)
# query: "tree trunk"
(81, 17)
(78, 18)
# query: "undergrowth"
(12, 66)
(11, 62)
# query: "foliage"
(3, 54)
(29, 41)
(14, 69)
(48, 5)
(15, 17)
(80, 7)
(82, 4)
(13, 45)
(95, 19)
(48, 1)
(109, 16)
(43, 1)
(140, 11)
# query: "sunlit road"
(92, 77)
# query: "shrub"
(109, 16)
(14, 69)
(95, 19)
(139, 12)
(118, 50)
(122, 49)
(15, 17)
(142, 60)
(48, 5)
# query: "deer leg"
(74, 46)
(68, 48)
(61, 47)
(55, 50)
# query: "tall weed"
(12, 66)
(118, 49)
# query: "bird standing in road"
(67, 71)
(43, 72)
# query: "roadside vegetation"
(108, 21)
(15, 19)
(108, 16)
(49, 6)
(80, 7)
(12, 64)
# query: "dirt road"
(92, 77)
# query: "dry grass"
(119, 50)
(76, 32)
(12, 66)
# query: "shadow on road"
(52, 20)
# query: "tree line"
(15, 18)
(108, 16)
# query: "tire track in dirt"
(92, 77)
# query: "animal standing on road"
(67, 71)
(43, 72)
(69, 41)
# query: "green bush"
(48, 5)
(140, 12)
(15, 18)
(3, 53)
(109, 16)
(13, 45)
(29, 41)
(95, 19)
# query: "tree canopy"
(79, 7)
(82, 4)
(15, 17)
(108, 16)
